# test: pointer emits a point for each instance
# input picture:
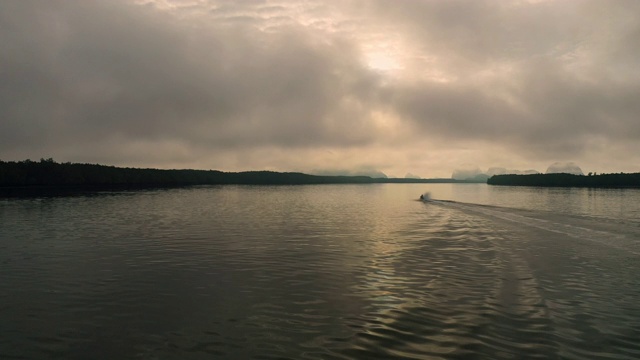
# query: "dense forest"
(568, 180)
(47, 172)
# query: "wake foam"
(611, 232)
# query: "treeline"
(569, 180)
(47, 172)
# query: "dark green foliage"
(47, 172)
(50, 173)
(568, 180)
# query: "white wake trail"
(611, 232)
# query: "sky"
(347, 86)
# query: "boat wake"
(564, 283)
(617, 233)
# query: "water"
(322, 272)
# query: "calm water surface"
(322, 272)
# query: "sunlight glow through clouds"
(382, 61)
(401, 87)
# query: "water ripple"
(317, 272)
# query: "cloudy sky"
(398, 86)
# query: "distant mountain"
(481, 178)
(373, 173)
(476, 175)
(466, 173)
(564, 168)
(502, 171)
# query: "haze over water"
(322, 272)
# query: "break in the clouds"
(420, 87)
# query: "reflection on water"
(320, 272)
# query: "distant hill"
(569, 180)
(48, 173)
(476, 175)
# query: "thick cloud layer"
(422, 86)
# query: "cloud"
(418, 87)
(533, 77)
(91, 71)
